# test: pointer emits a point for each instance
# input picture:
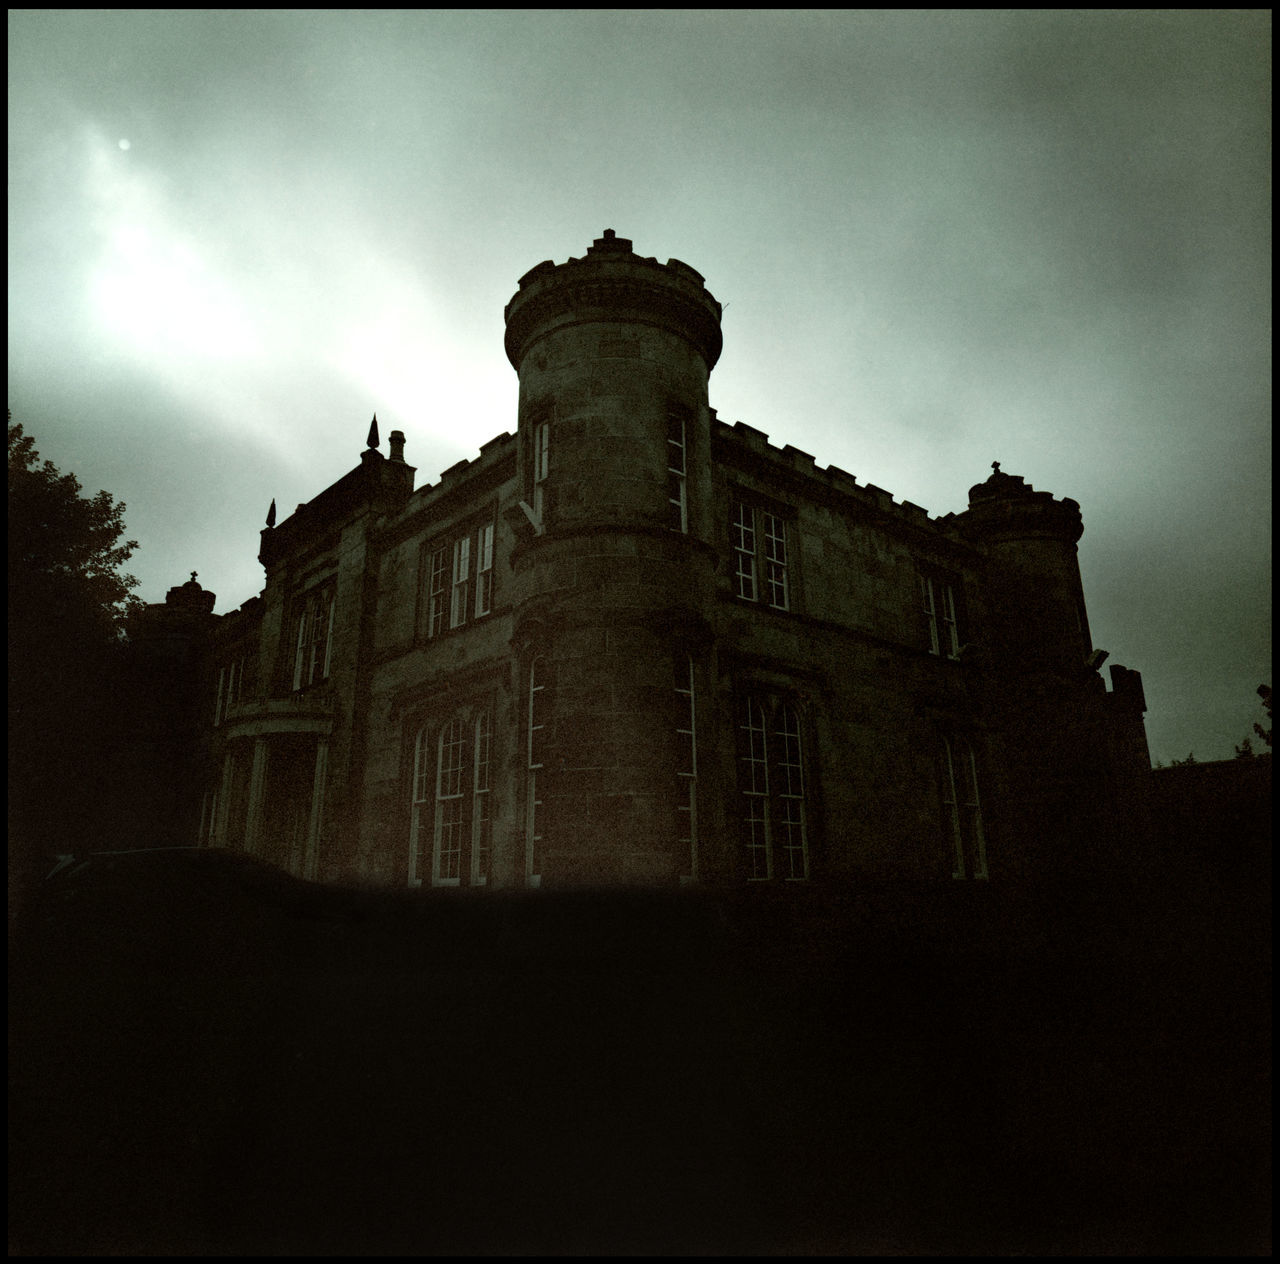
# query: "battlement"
(831, 478)
(611, 282)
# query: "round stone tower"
(1036, 598)
(615, 564)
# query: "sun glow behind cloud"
(248, 328)
(154, 290)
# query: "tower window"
(541, 464)
(677, 472)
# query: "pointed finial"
(271, 514)
(372, 440)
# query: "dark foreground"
(208, 1058)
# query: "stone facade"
(632, 644)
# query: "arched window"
(450, 832)
(962, 810)
(771, 781)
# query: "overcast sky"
(941, 238)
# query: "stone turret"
(615, 563)
(1035, 593)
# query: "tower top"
(610, 243)
(613, 283)
(1007, 505)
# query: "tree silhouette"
(1264, 692)
(1245, 749)
(68, 602)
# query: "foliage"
(68, 602)
(1264, 692)
(65, 551)
(1245, 749)
(1182, 763)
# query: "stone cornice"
(565, 297)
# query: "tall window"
(942, 628)
(541, 463)
(456, 581)
(313, 639)
(677, 481)
(461, 581)
(760, 553)
(686, 764)
(451, 822)
(962, 810)
(771, 782)
(208, 836)
(535, 728)
(484, 569)
(230, 688)
(481, 816)
(435, 588)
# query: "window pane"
(450, 802)
(541, 451)
(461, 574)
(790, 782)
(744, 546)
(949, 620)
(930, 613)
(435, 591)
(754, 779)
(775, 552)
(484, 569)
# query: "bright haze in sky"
(942, 238)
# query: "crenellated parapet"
(1005, 507)
(613, 283)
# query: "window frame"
(758, 533)
(686, 806)
(677, 453)
(535, 822)
(962, 819)
(776, 817)
(941, 604)
(456, 578)
(539, 464)
(450, 799)
(311, 664)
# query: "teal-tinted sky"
(942, 238)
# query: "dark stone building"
(632, 644)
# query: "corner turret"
(616, 527)
(1036, 597)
